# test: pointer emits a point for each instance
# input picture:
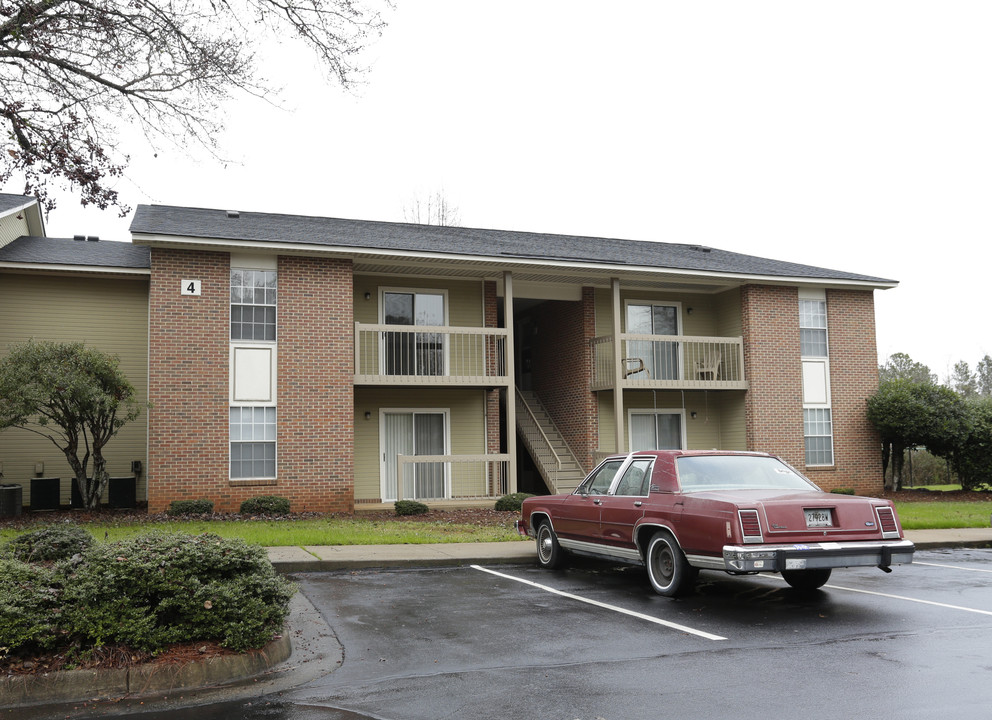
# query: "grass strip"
(319, 531)
(943, 515)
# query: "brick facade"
(316, 399)
(562, 370)
(853, 379)
(189, 358)
(774, 403)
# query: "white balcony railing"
(429, 355)
(669, 362)
(452, 477)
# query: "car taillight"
(750, 525)
(887, 520)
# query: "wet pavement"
(490, 640)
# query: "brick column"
(315, 391)
(188, 349)
(774, 402)
(853, 379)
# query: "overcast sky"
(849, 135)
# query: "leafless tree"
(434, 209)
(74, 72)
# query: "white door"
(661, 358)
(414, 433)
(656, 431)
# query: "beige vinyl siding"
(467, 430)
(107, 313)
(11, 228)
(465, 298)
(719, 421)
(712, 315)
(728, 309)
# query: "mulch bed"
(110, 657)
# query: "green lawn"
(917, 515)
(320, 531)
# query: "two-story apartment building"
(346, 363)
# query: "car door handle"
(638, 503)
(597, 502)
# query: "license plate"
(819, 518)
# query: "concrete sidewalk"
(318, 558)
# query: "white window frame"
(443, 292)
(446, 412)
(677, 304)
(816, 376)
(655, 411)
(260, 397)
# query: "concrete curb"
(321, 558)
(68, 685)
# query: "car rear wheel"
(668, 570)
(549, 552)
(807, 579)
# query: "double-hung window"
(252, 367)
(817, 414)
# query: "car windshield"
(700, 473)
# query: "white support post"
(511, 400)
(617, 367)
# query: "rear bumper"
(776, 558)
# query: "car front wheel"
(668, 570)
(807, 579)
(549, 552)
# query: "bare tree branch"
(74, 72)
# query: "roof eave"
(270, 246)
(63, 269)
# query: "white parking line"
(909, 599)
(641, 616)
(952, 567)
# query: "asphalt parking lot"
(592, 641)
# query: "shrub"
(512, 501)
(410, 507)
(161, 588)
(190, 507)
(265, 505)
(29, 603)
(58, 542)
(843, 491)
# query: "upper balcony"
(668, 362)
(428, 355)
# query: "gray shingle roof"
(460, 241)
(62, 251)
(9, 202)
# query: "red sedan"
(678, 512)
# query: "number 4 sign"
(191, 287)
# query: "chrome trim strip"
(706, 562)
(580, 546)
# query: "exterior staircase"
(555, 462)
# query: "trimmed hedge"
(513, 501)
(410, 507)
(265, 505)
(145, 592)
(190, 507)
(59, 542)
